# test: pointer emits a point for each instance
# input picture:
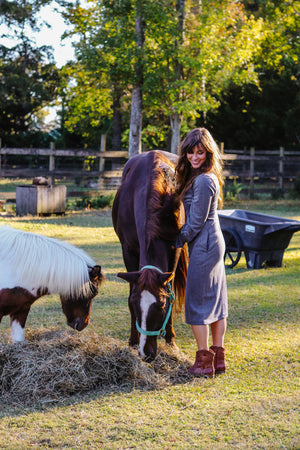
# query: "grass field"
(255, 405)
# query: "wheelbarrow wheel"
(233, 249)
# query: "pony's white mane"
(40, 261)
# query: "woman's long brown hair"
(185, 174)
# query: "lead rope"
(162, 331)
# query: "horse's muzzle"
(149, 358)
(148, 353)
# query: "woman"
(199, 185)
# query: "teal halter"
(162, 331)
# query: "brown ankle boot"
(219, 362)
(204, 364)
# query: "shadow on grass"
(90, 219)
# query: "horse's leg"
(134, 335)
(17, 324)
(170, 333)
(132, 263)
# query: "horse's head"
(150, 302)
(77, 308)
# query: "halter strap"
(151, 267)
(162, 331)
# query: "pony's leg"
(17, 325)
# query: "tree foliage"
(232, 66)
(267, 115)
(28, 77)
(189, 56)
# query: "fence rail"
(280, 166)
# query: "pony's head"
(77, 307)
(150, 301)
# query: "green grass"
(255, 405)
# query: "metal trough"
(261, 237)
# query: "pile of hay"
(52, 365)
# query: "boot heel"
(204, 364)
(219, 361)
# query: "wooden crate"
(40, 200)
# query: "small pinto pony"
(146, 217)
(32, 265)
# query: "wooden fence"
(247, 166)
(253, 167)
(92, 164)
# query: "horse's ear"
(131, 277)
(166, 277)
(95, 274)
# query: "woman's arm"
(203, 191)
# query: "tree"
(266, 115)
(198, 53)
(29, 78)
(175, 60)
(101, 76)
(135, 133)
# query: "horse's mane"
(163, 204)
(165, 218)
(40, 261)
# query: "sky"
(63, 51)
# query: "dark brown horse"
(147, 217)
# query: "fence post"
(280, 173)
(102, 160)
(52, 162)
(252, 155)
(0, 152)
(244, 165)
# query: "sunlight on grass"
(254, 405)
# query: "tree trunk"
(176, 121)
(117, 117)
(176, 118)
(135, 135)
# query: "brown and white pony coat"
(32, 265)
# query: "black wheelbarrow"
(261, 237)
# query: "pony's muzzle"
(78, 324)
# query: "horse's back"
(130, 205)
(144, 162)
(138, 170)
(135, 178)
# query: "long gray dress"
(206, 289)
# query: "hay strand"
(53, 365)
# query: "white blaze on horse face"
(147, 299)
(17, 332)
